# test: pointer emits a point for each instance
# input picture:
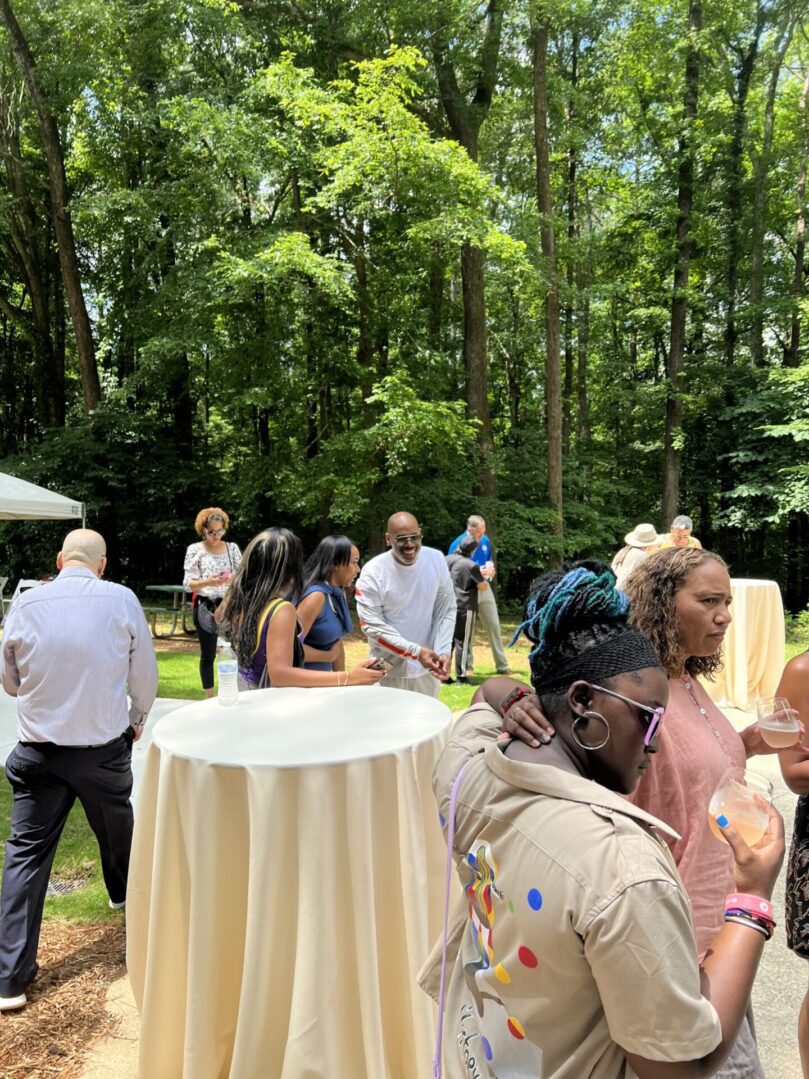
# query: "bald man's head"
(402, 522)
(83, 547)
(404, 537)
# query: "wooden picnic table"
(180, 610)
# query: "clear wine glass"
(744, 797)
(778, 722)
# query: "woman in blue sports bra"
(323, 610)
(260, 619)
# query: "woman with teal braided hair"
(575, 952)
(680, 599)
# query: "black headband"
(626, 652)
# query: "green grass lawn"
(76, 857)
(77, 854)
(179, 676)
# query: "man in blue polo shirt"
(487, 603)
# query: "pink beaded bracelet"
(753, 904)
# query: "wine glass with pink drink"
(744, 798)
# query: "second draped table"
(286, 885)
(753, 649)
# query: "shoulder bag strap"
(453, 798)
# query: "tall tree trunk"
(792, 355)
(435, 301)
(58, 309)
(572, 165)
(761, 170)
(475, 359)
(176, 365)
(553, 372)
(30, 249)
(583, 283)
(465, 118)
(513, 367)
(679, 303)
(747, 60)
(582, 400)
(60, 198)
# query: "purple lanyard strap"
(453, 798)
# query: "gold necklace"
(688, 686)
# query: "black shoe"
(462, 681)
(449, 681)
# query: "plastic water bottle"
(228, 670)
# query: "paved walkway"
(782, 977)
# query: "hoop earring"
(584, 716)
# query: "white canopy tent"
(23, 501)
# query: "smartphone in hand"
(381, 663)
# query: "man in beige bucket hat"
(642, 541)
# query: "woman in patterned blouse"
(209, 566)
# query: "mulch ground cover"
(66, 1003)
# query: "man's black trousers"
(46, 780)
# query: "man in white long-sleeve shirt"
(69, 651)
(406, 605)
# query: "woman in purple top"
(262, 623)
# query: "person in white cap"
(642, 541)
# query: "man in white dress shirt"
(69, 651)
(406, 605)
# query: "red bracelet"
(753, 904)
(516, 694)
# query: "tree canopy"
(317, 261)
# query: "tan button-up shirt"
(576, 943)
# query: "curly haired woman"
(207, 570)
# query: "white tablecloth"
(753, 649)
(286, 885)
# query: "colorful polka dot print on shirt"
(492, 1037)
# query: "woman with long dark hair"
(576, 953)
(260, 617)
(323, 610)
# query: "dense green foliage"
(271, 202)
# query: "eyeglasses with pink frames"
(655, 715)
